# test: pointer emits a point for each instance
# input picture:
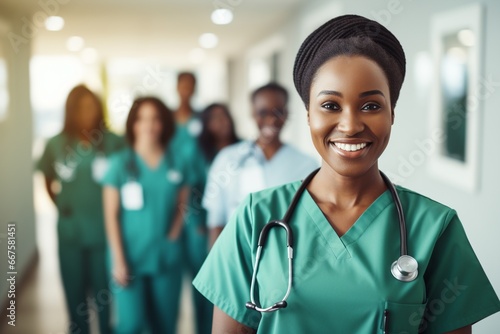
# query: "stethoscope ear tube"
(275, 223)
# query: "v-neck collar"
(152, 169)
(339, 245)
(260, 153)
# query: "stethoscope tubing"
(405, 269)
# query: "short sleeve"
(458, 291)
(225, 277)
(214, 197)
(115, 173)
(47, 160)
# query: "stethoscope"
(404, 269)
(251, 151)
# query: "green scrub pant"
(148, 302)
(195, 248)
(85, 284)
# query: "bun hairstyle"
(350, 35)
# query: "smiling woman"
(340, 271)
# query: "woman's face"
(270, 113)
(219, 123)
(87, 112)
(147, 126)
(350, 114)
(185, 87)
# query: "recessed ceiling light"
(208, 40)
(54, 23)
(75, 43)
(89, 55)
(222, 16)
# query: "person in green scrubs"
(345, 225)
(76, 160)
(194, 234)
(145, 195)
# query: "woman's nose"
(350, 122)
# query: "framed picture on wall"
(456, 104)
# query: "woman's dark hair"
(350, 35)
(271, 87)
(165, 115)
(71, 126)
(206, 139)
(183, 75)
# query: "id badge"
(132, 196)
(174, 176)
(65, 172)
(99, 167)
(194, 127)
(251, 180)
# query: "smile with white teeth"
(350, 147)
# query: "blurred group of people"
(138, 212)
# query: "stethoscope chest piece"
(405, 269)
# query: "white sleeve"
(215, 195)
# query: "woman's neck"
(147, 147)
(269, 147)
(184, 112)
(347, 191)
(222, 142)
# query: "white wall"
(16, 166)
(410, 22)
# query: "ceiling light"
(222, 16)
(208, 40)
(75, 43)
(54, 23)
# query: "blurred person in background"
(254, 165)
(218, 131)
(76, 160)
(145, 193)
(194, 235)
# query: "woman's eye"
(330, 106)
(371, 107)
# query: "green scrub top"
(344, 284)
(79, 203)
(184, 145)
(144, 231)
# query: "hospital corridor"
(249, 166)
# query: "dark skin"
(349, 105)
(220, 126)
(185, 88)
(270, 112)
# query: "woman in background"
(76, 159)
(145, 194)
(218, 132)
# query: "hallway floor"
(41, 307)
